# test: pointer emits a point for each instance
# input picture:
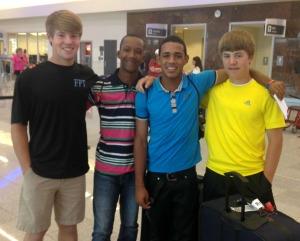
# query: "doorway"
(194, 36)
(110, 56)
(86, 53)
(263, 57)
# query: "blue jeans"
(107, 189)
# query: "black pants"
(258, 187)
(173, 212)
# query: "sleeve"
(91, 76)
(96, 91)
(141, 109)
(273, 116)
(91, 99)
(20, 105)
(151, 63)
(92, 79)
(204, 81)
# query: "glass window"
(32, 43)
(12, 43)
(36, 45)
(32, 50)
(43, 46)
(22, 40)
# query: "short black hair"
(173, 39)
(130, 35)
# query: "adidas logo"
(247, 102)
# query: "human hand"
(142, 197)
(278, 88)
(144, 83)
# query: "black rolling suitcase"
(220, 223)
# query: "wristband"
(269, 84)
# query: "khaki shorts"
(39, 195)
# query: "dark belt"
(174, 176)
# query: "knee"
(68, 230)
(34, 236)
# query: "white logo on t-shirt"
(79, 83)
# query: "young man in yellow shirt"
(239, 114)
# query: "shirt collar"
(115, 80)
(183, 84)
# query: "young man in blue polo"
(169, 108)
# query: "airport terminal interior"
(199, 23)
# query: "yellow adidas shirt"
(237, 117)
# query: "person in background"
(18, 62)
(197, 65)
(245, 113)
(49, 136)
(3, 59)
(25, 58)
(154, 66)
(6, 63)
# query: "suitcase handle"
(240, 182)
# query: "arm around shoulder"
(221, 76)
(274, 87)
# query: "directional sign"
(275, 27)
(156, 30)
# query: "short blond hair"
(237, 40)
(63, 20)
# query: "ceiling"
(30, 3)
(37, 8)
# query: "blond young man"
(239, 114)
(50, 102)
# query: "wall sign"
(156, 30)
(275, 27)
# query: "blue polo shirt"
(173, 120)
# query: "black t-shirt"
(52, 99)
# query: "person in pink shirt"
(18, 62)
(154, 66)
(25, 58)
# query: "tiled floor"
(286, 183)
